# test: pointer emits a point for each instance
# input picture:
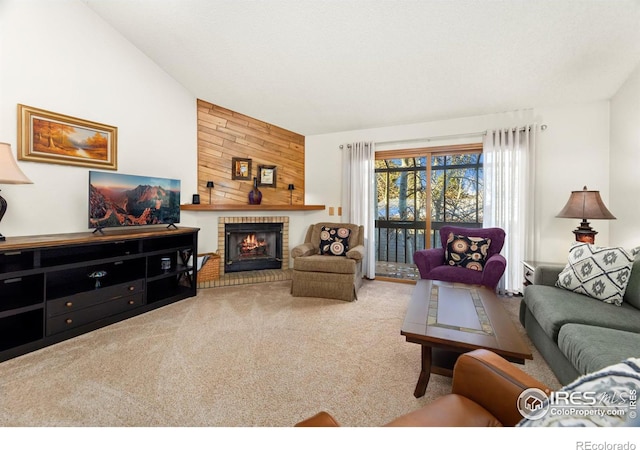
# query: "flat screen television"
(120, 200)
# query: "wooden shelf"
(232, 207)
(89, 237)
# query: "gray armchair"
(318, 272)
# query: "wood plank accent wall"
(224, 134)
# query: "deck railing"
(396, 240)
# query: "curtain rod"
(366, 144)
(434, 138)
(448, 136)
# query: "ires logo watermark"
(534, 403)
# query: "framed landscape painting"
(49, 137)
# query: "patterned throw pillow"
(598, 272)
(468, 252)
(334, 241)
(613, 388)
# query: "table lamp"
(10, 173)
(585, 205)
(209, 186)
(291, 188)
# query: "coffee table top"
(461, 317)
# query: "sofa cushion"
(597, 272)
(334, 241)
(323, 263)
(632, 294)
(553, 307)
(590, 348)
(467, 251)
(455, 274)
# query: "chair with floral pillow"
(329, 262)
(467, 255)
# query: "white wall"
(625, 162)
(572, 152)
(61, 57)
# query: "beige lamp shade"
(10, 173)
(585, 204)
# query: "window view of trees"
(414, 198)
(401, 187)
(457, 188)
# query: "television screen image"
(119, 200)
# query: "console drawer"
(90, 298)
(74, 319)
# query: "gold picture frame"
(240, 169)
(45, 136)
(267, 176)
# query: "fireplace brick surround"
(254, 276)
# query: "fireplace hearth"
(252, 246)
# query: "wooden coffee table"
(449, 319)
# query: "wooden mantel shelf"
(233, 207)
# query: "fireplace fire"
(251, 246)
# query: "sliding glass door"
(402, 208)
(419, 191)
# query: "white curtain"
(358, 196)
(509, 172)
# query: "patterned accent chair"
(432, 263)
(325, 275)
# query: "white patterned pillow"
(604, 398)
(598, 272)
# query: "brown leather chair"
(484, 394)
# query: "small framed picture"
(267, 176)
(240, 169)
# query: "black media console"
(55, 287)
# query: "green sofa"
(577, 334)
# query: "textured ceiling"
(316, 67)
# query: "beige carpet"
(247, 355)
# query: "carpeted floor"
(247, 355)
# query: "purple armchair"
(431, 262)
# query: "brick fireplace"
(260, 250)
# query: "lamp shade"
(291, 187)
(210, 184)
(10, 173)
(585, 204)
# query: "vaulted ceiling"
(325, 66)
